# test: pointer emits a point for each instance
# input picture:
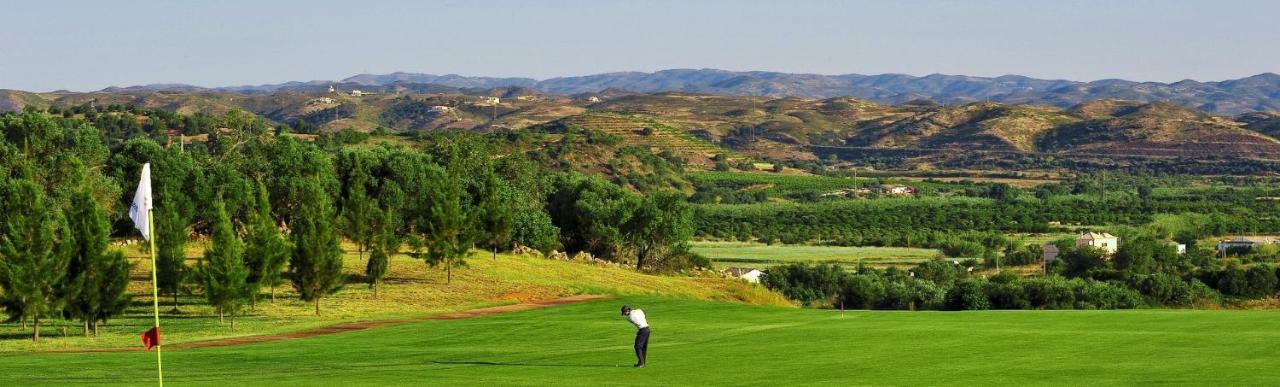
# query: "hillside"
(1159, 129)
(698, 127)
(1229, 97)
(971, 126)
(1255, 93)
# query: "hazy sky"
(88, 45)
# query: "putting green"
(713, 343)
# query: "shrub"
(968, 294)
(1079, 261)
(862, 291)
(1164, 289)
(1202, 293)
(1007, 295)
(810, 285)
(1261, 281)
(927, 295)
(896, 295)
(962, 248)
(1049, 293)
(1104, 295)
(1231, 281)
(941, 272)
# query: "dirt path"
(357, 326)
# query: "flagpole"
(155, 295)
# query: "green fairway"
(713, 343)
(745, 253)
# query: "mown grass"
(411, 289)
(759, 254)
(714, 343)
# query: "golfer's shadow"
(491, 363)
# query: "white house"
(593, 99)
(490, 100)
(1107, 242)
(897, 189)
(441, 109)
(1182, 248)
(745, 273)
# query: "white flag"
(141, 207)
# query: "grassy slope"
(412, 289)
(711, 343)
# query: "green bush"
(1049, 293)
(1104, 295)
(968, 294)
(962, 248)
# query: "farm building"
(1050, 253)
(490, 100)
(1243, 243)
(897, 189)
(749, 274)
(848, 192)
(1107, 242)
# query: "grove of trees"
(274, 209)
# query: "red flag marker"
(151, 338)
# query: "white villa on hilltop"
(1107, 242)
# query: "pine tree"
(496, 213)
(266, 251)
(384, 243)
(316, 263)
(35, 250)
(94, 288)
(222, 272)
(171, 256)
(358, 208)
(450, 225)
(111, 279)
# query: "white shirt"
(636, 317)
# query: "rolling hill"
(699, 127)
(1260, 92)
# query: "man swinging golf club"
(636, 317)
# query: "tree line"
(1145, 271)
(275, 209)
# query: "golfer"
(636, 317)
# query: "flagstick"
(155, 296)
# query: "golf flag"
(140, 212)
(151, 337)
(141, 208)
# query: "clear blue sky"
(88, 45)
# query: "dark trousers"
(642, 344)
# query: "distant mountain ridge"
(1255, 93)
